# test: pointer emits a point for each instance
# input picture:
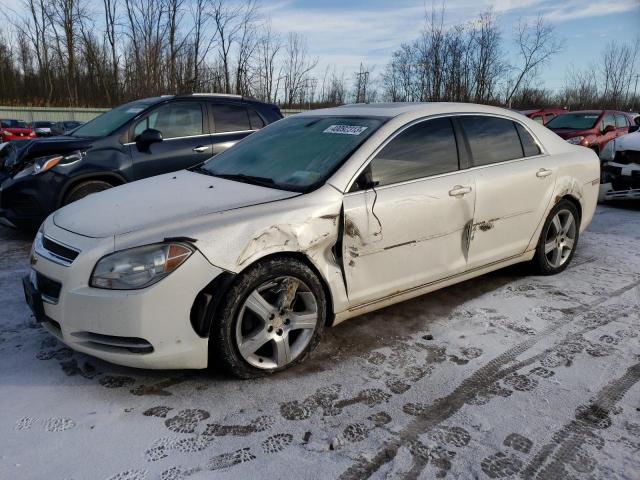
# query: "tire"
(250, 338)
(564, 238)
(85, 189)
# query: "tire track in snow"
(443, 408)
(566, 445)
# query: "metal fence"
(55, 114)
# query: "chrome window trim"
(199, 135)
(543, 151)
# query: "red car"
(591, 128)
(543, 115)
(15, 130)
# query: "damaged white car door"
(515, 181)
(408, 213)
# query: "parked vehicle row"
(243, 260)
(21, 130)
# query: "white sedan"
(315, 219)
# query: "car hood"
(16, 130)
(157, 201)
(39, 147)
(570, 133)
(630, 141)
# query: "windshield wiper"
(241, 177)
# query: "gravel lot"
(505, 376)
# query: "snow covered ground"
(505, 376)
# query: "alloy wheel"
(276, 323)
(560, 238)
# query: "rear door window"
(608, 120)
(621, 121)
(256, 120)
(230, 118)
(491, 139)
(422, 150)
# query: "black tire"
(540, 261)
(85, 189)
(223, 346)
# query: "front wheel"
(558, 240)
(85, 189)
(271, 319)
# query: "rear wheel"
(271, 319)
(85, 189)
(559, 239)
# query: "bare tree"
(616, 69)
(268, 48)
(536, 43)
(296, 67)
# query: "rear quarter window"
(529, 145)
(230, 118)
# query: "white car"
(621, 168)
(315, 219)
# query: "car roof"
(399, 108)
(587, 112)
(218, 96)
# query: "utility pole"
(362, 81)
(635, 89)
(310, 85)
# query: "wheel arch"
(109, 177)
(574, 200)
(205, 305)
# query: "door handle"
(459, 191)
(200, 149)
(543, 172)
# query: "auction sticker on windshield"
(345, 129)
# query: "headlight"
(42, 164)
(575, 140)
(139, 267)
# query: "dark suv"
(133, 141)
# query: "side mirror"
(147, 138)
(634, 128)
(609, 129)
(365, 181)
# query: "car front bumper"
(26, 200)
(147, 328)
(620, 181)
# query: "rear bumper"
(148, 328)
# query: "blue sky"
(342, 33)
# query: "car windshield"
(296, 154)
(106, 123)
(42, 124)
(575, 121)
(13, 124)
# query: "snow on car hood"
(165, 199)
